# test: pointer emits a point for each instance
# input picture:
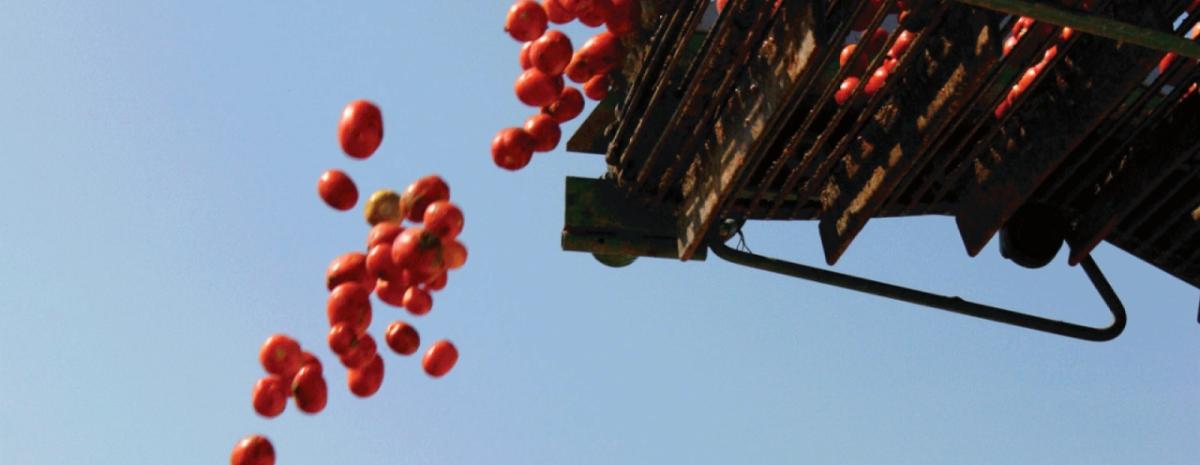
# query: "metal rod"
(951, 304)
(1093, 24)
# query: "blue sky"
(162, 221)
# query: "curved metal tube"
(951, 304)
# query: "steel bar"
(947, 303)
(1093, 24)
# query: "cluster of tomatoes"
(546, 56)
(402, 265)
(1021, 27)
(872, 43)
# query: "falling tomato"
(337, 190)
(253, 450)
(440, 358)
(360, 130)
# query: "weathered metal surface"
(740, 136)
(1150, 161)
(599, 218)
(1048, 127)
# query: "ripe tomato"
(1067, 33)
(280, 355)
(556, 12)
(391, 291)
(597, 87)
(308, 359)
(349, 303)
(1026, 80)
(383, 207)
(876, 82)
(421, 193)
(845, 90)
(309, 390)
(269, 396)
(577, 70)
(253, 450)
(444, 219)
(360, 353)
(419, 251)
(1050, 54)
(337, 190)
(903, 41)
(599, 55)
(454, 254)
(890, 64)
(523, 58)
(512, 148)
(1002, 108)
(417, 301)
(545, 132)
(440, 358)
(437, 283)
(596, 15)
(349, 267)
(567, 107)
(624, 16)
(526, 21)
(383, 233)
(551, 52)
(1166, 61)
(403, 338)
(874, 42)
(860, 64)
(342, 337)
(1009, 44)
(366, 380)
(360, 130)
(537, 89)
(380, 264)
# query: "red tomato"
(443, 219)
(567, 107)
(280, 355)
(890, 64)
(337, 190)
(391, 294)
(512, 148)
(721, 5)
(1009, 44)
(576, 6)
(380, 264)
(383, 233)
(551, 52)
(1002, 108)
(360, 353)
(420, 194)
(366, 380)
(417, 301)
(308, 359)
(875, 42)
(419, 251)
(1067, 33)
(860, 64)
(545, 132)
(253, 450)
(1166, 61)
(537, 89)
(349, 303)
(903, 41)
(526, 21)
(341, 338)
(1026, 80)
(876, 82)
(599, 55)
(437, 283)
(624, 17)
(403, 338)
(440, 358)
(1050, 54)
(577, 70)
(863, 20)
(349, 267)
(597, 15)
(309, 390)
(360, 130)
(597, 87)
(523, 59)
(269, 396)
(845, 90)
(556, 12)
(454, 254)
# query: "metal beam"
(1094, 24)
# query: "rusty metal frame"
(941, 302)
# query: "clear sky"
(161, 220)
